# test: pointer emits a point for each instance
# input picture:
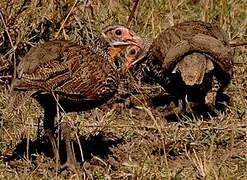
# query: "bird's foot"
(69, 166)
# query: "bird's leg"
(50, 111)
(71, 160)
(210, 97)
(49, 128)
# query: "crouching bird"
(189, 60)
(72, 77)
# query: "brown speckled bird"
(187, 58)
(76, 77)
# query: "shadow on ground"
(97, 145)
(201, 111)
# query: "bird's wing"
(193, 68)
(39, 55)
(93, 80)
(49, 62)
(65, 68)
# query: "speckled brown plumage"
(185, 38)
(67, 69)
(77, 77)
(185, 57)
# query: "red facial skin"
(120, 33)
(131, 54)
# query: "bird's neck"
(102, 47)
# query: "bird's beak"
(133, 42)
(139, 60)
(125, 43)
(120, 44)
(117, 47)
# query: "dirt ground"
(119, 140)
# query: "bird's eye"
(132, 51)
(118, 32)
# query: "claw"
(52, 140)
(70, 166)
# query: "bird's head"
(131, 54)
(119, 39)
(120, 33)
(136, 54)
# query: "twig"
(11, 42)
(4, 68)
(6, 29)
(65, 20)
(5, 77)
(238, 44)
(132, 13)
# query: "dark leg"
(50, 107)
(71, 160)
(50, 111)
(50, 131)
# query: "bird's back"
(65, 68)
(193, 66)
(184, 31)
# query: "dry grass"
(125, 143)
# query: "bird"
(188, 60)
(72, 77)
